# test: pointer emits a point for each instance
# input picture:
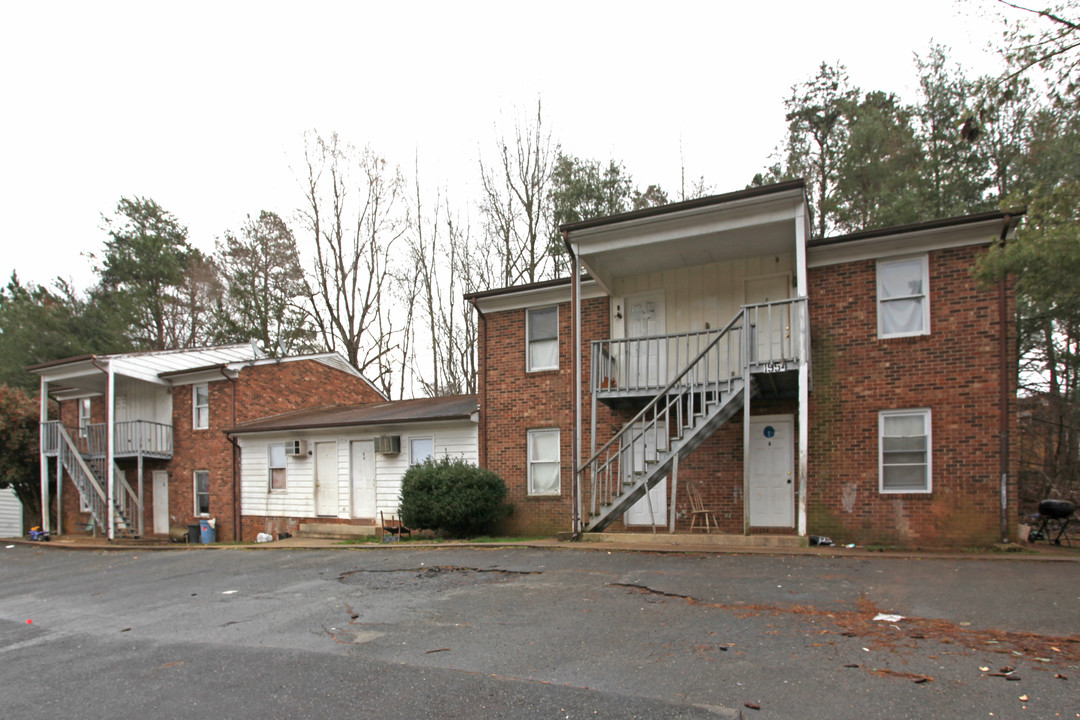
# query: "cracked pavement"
(523, 633)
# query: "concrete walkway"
(677, 544)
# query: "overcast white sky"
(202, 105)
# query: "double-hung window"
(904, 451)
(421, 449)
(544, 468)
(903, 297)
(202, 492)
(200, 406)
(542, 333)
(275, 461)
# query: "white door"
(326, 479)
(770, 326)
(772, 471)
(161, 501)
(646, 360)
(638, 514)
(362, 466)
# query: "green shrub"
(452, 496)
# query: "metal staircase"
(701, 398)
(86, 468)
(760, 343)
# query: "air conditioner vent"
(388, 444)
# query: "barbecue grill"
(1054, 518)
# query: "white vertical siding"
(453, 439)
(11, 514)
(703, 294)
(143, 401)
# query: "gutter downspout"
(1003, 370)
(481, 383)
(43, 414)
(575, 451)
(237, 517)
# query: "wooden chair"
(393, 527)
(699, 512)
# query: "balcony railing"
(776, 339)
(132, 438)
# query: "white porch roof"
(86, 374)
(748, 223)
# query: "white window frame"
(928, 427)
(412, 452)
(529, 367)
(196, 493)
(271, 467)
(196, 406)
(532, 435)
(84, 416)
(924, 296)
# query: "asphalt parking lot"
(533, 633)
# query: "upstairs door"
(769, 325)
(362, 465)
(646, 355)
(772, 471)
(326, 479)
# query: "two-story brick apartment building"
(140, 443)
(861, 386)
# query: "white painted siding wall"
(11, 512)
(142, 401)
(452, 439)
(701, 294)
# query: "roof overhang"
(530, 296)
(981, 229)
(749, 223)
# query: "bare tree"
(515, 203)
(446, 265)
(354, 214)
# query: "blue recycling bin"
(207, 533)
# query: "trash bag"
(264, 538)
(821, 540)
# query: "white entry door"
(161, 501)
(772, 471)
(362, 466)
(326, 479)
(638, 514)
(646, 360)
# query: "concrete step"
(335, 531)
(697, 539)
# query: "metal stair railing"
(86, 481)
(84, 460)
(684, 405)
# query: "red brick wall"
(954, 371)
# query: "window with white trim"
(84, 416)
(903, 297)
(542, 338)
(200, 406)
(421, 449)
(544, 467)
(202, 492)
(275, 463)
(904, 451)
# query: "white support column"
(674, 493)
(801, 221)
(747, 379)
(43, 417)
(577, 523)
(110, 475)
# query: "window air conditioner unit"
(296, 448)
(388, 444)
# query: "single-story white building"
(344, 464)
(11, 514)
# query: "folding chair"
(393, 527)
